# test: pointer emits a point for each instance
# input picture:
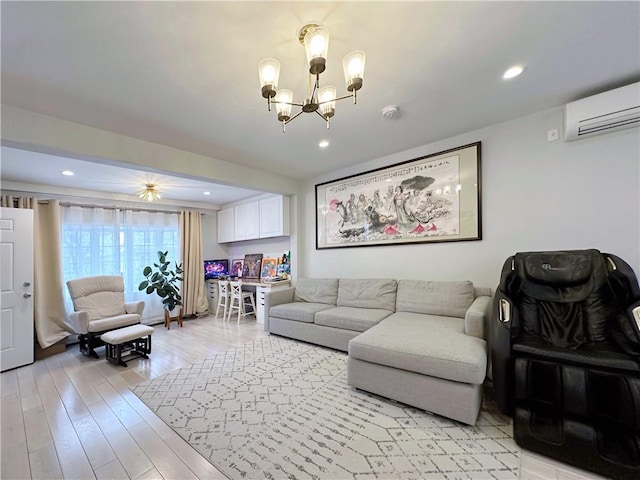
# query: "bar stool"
(238, 298)
(223, 297)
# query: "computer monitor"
(215, 268)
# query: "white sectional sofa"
(418, 342)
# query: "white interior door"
(16, 285)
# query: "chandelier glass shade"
(321, 100)
(150, 193)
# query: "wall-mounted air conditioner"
(603, 113)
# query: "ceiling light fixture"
(324, 144)
(67, 173)
(207, 193)
(513, 72)
(150, 193)
(322, 101)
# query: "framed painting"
(236, 267)
(269, 267)
(251, 265)
(435, 198)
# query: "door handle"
(26, 295)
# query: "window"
(101, 241)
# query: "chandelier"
(322, 101)
(150, 193)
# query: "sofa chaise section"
(431, 353)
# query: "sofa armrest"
(276, 297)
(134, 307)
(477, 317)
(79, 322)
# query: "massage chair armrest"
(628, 337)
(134, 307)
(79, 322)
(477, 316)
(503, 320)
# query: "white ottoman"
(124, 344)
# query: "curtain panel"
(194, 296)
(50, 314)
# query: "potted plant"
(164, 281)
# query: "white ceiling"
(184, 74)
(99, 178)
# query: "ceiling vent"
(603, 113)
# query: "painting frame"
(236, 267)
(251, 266)
(430, 199)
(269, 267)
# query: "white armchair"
(99, 307)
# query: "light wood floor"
(73, 417)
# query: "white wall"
(536, 195)
(211, 249)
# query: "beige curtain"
(194, 298)
(48, 302)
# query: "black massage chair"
(565, 348)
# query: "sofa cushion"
(350, 318)
(451, 299)
(100, 296)
(367, 293)
(101, 304)
(316, 290)
(431, 345)
(300, 311)
(113, 322)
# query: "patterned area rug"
(275, 408)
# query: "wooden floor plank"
(37, 428)
(94, 443)
(130, 455)
(73, 402)
(197, 463)
(14, 460)
(26, 382)
(110, 471)
(165, 460)
(73, 461)
(44, 463)
(8, 383)
(126, 414)
(13, 431)
(152, 474)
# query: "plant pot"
(168, 318)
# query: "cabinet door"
(247, 221)
(274, 216)
(226, 225)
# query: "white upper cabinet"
(226, 225)
(274, 216)
(264, 218)
(247, 221)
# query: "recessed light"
(207, 193)
(324, 144)
(67, 173)
(513, 72)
